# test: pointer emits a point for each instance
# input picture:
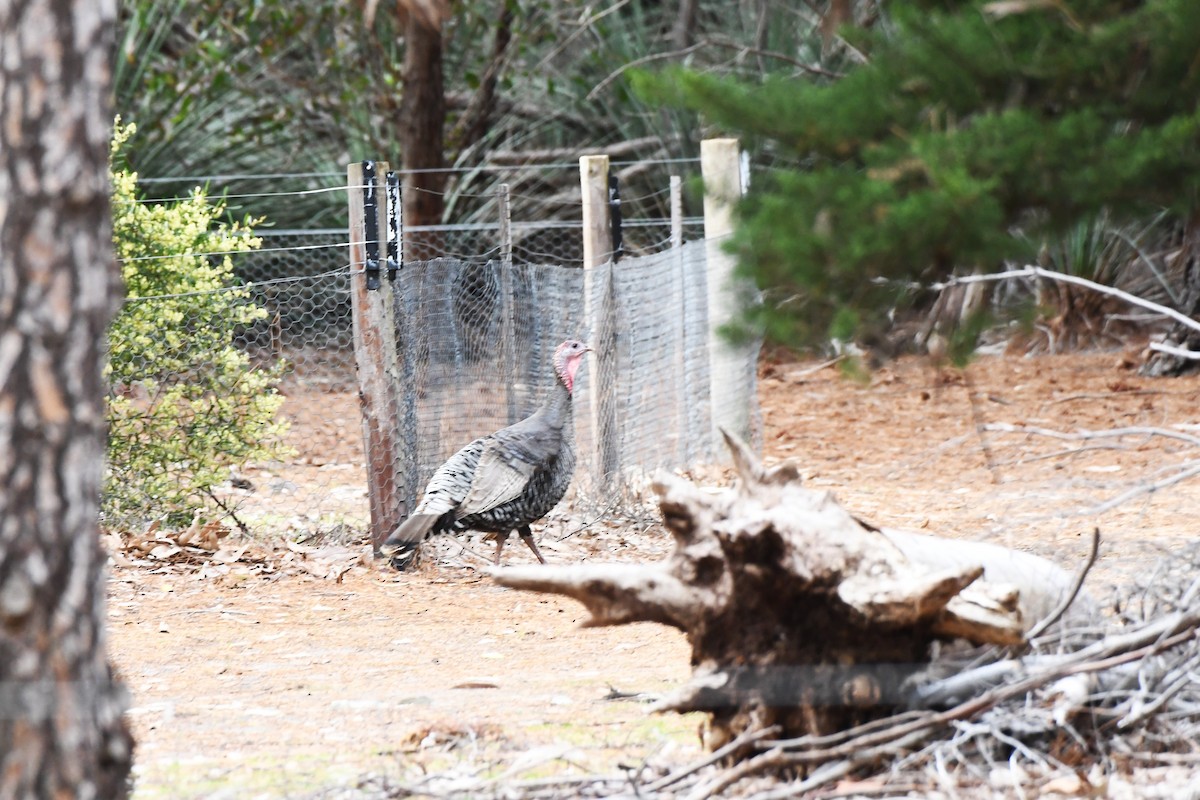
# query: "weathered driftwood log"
(798, 614)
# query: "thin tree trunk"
(475, 122)
(684, 31)
(422, 131)
(61, 730)
(839, 13)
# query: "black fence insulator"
(614, 216)
(371, 224)
(395, 260)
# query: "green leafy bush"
(185, 404)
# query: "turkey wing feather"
(452, 481)
(508, 462)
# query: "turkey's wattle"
(504, 481)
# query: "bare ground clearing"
(287, 685)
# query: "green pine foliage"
(185, 404)
(975, 133)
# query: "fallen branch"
(1186, 469)
(1039, 272)
(1171, 350)
(1150, 488)
(737, 745)
(1082, 435)
(804, 373)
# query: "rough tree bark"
(61, 731)
(798, 614)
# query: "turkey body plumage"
(504, 481)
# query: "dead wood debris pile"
(1109, 710)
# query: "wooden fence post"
(373, 315)
(721, 166)
(598, 312)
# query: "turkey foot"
(526, 537)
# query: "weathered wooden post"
(598, 312)
(373, 316)
(732, 397)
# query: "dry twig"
(1070, 596)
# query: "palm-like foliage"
(220, 87)
(1127, 257)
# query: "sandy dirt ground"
(260, 681)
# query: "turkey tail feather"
(401, 546)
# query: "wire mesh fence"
(474, 345)
(301, 278)
(478, 362)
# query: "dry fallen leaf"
(229, 555)
(165, 551)
(1066, 784)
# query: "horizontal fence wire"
(522, 167)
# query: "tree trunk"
(798, 614)
(422, 132)
(475, 122)
(61, 730)
(836, 15)
(684, 30)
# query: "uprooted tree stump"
(799, 615)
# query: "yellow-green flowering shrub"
(185, 404)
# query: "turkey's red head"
(568, 357)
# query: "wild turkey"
(504, 481)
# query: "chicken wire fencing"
(300, 277)
(473, 351)
(270, 357)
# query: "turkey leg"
(500, 537)
(527, 537)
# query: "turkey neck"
(556, 408)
